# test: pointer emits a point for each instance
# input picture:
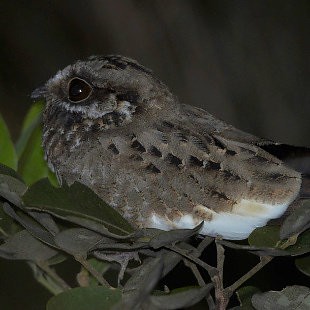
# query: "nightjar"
(112, 125)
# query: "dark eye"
(79, 90)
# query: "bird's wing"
(204, 169)
(295, 157)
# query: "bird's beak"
(39, 93)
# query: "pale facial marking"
(97, 110)
(94, 110)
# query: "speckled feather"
(160, 163)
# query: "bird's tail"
(305, 187)
(296, 157)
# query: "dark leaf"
(55, 260)
(11, 188)
(46, 221)
(144, 235)
(170, 237)
(181, 298)
(170, 260)
(141, 284)
(77, 241)
(291, 298)
(245, 294)
(77, 200)
(8, 155)
(296, 222)
(9, 171)
(97, 227)
(260, 251)
(32, 226)
(25, 247)
(303, 264)
(84, 298)
(7, 225)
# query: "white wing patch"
(235, 225)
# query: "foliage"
(46, 225)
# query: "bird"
(111, 124)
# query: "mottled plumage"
(110, 124)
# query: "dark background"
(246, 62)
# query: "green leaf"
(303, 264)
(100, 266)
(77, 201)
(31, 164)
(8, 155)
(85, 298)
(52, 178)
(302, 244)
(31, 121)
(267, 236)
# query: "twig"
(263, 261)
(211, 270)
(220, 262)
(204, 243)
(200, 281)
(221, 296)
(93, 271)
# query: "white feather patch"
(235, 225)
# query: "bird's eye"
(78, 90)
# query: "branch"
(48, 278)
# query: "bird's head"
(112, 88)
